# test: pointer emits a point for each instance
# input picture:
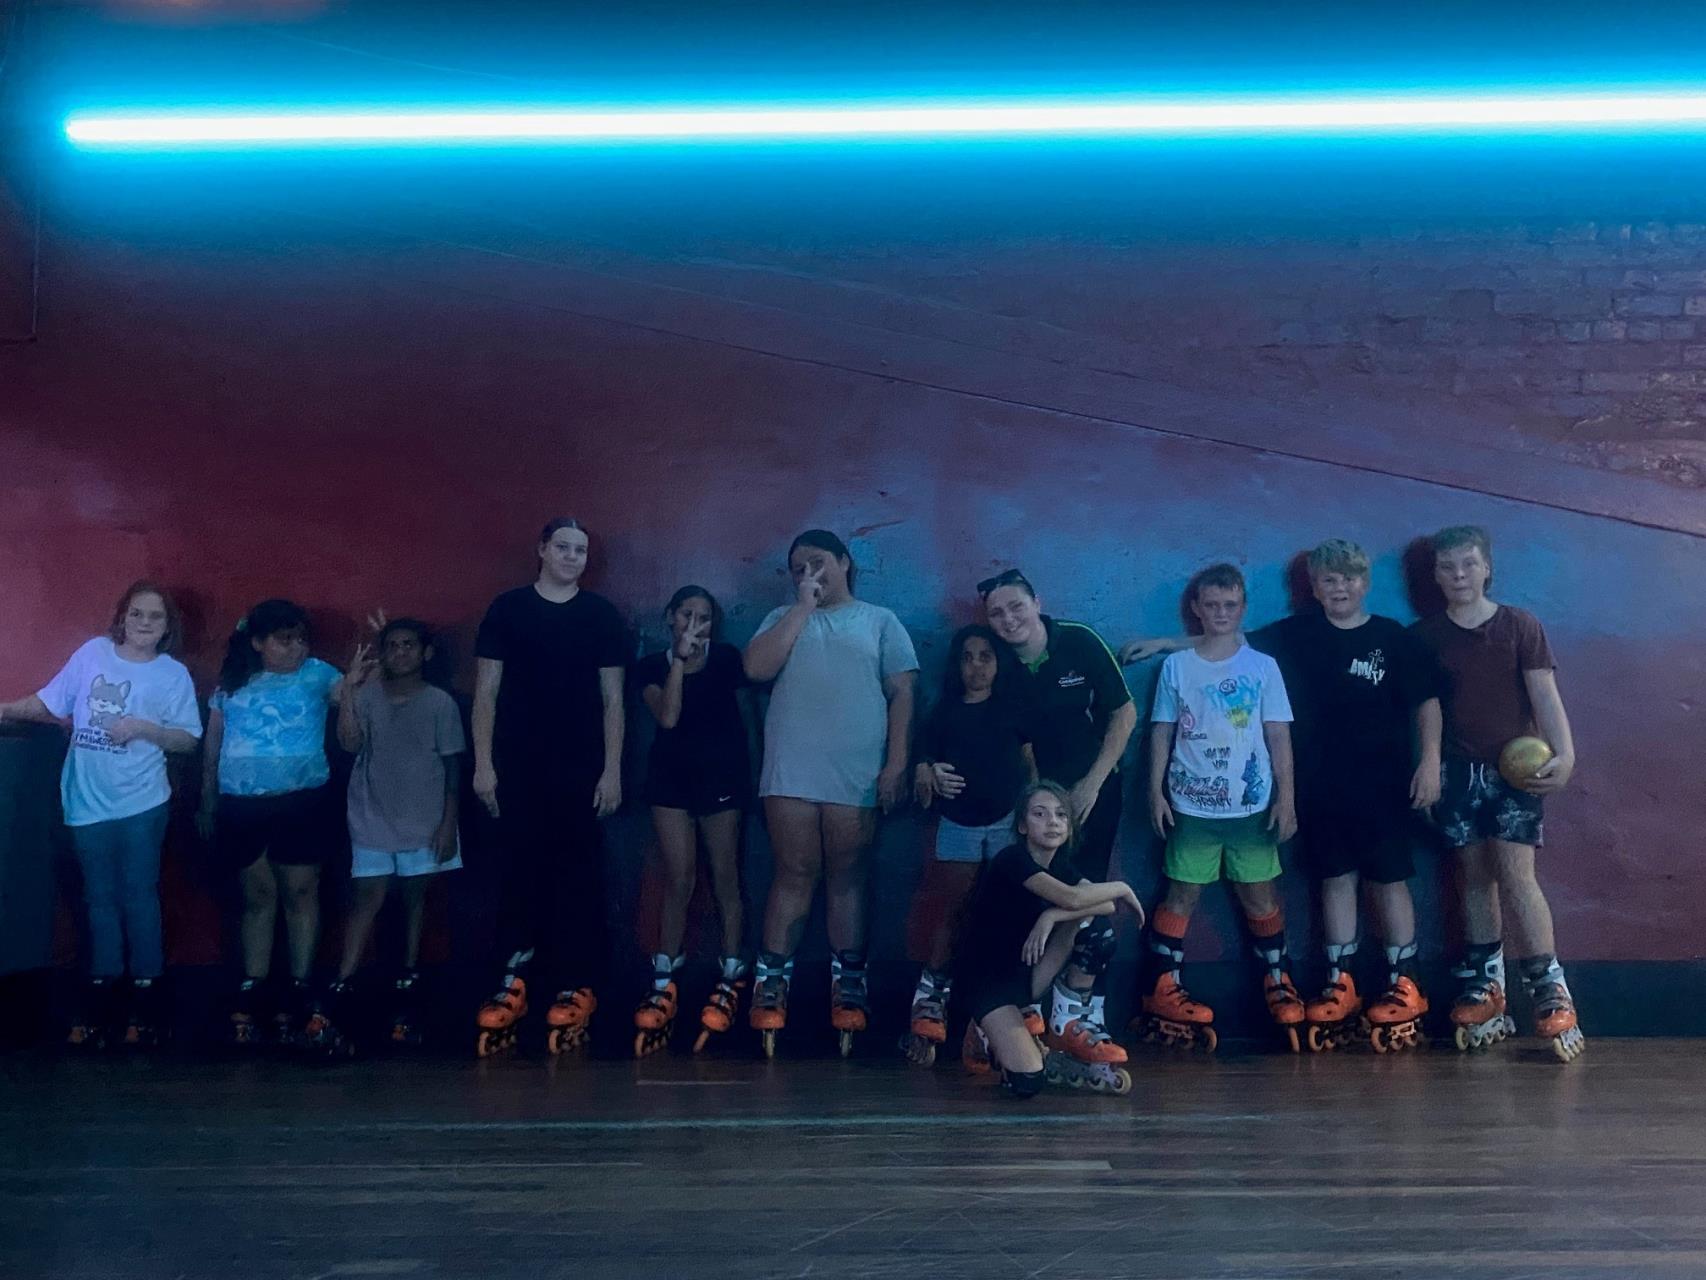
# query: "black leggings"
(1096, 840)
(551, 882)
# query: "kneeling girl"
(1016, 942)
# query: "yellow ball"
(1522, 758)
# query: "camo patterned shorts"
(1476, 803)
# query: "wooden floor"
(1430, 1165)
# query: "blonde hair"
(1339, 555)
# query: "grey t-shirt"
(396, 791)
(826, 732)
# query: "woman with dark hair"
(698, 783)
(1016, 940)
(973, 756)
(129, 704)
(835, 749)
(547, 723)
(266, 804)
(1084, 719)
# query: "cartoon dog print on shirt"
(107, 702)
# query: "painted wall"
(379, 408)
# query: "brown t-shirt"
(1486, 700)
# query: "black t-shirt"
(1003, 912)
(1075, 689)
(710, 731)
(550, 711)
(983, 741)
(1354, 693)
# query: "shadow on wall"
(1425, 596)
(1300, 596)
(1420, 589)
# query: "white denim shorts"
(955, 843)
(410, 862)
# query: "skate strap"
(1094, 1032)
(930, 1008)
(769, 970)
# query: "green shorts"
(1199, 847)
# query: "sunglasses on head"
(1007, 578)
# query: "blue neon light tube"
(179, 129)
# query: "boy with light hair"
(1500, 685)
(1366, 744)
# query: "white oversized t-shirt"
(1220, 766)
(101, 780)
(826, 733)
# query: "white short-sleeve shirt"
(1220, 766)
(102, 780)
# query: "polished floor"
(1433, 1164)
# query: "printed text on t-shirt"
(1371, 668)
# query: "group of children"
(1335, 726)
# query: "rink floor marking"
(669, 1123)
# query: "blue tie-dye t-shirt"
(275, 731)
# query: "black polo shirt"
(1076, 686)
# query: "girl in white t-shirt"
(129, 704)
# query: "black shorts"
(1337, 836)
(700, 791)
(293, 829)
(1476, 804)
(981, 993)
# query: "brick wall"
(1581, 342)
(1590, 338)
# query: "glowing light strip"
(1392, 114)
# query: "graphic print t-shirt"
(101, 780)
(275, 731)
(550, 708)
(1220, 766)
(1354, 691)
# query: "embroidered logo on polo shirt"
(1071, 680)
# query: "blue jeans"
(121, 892)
